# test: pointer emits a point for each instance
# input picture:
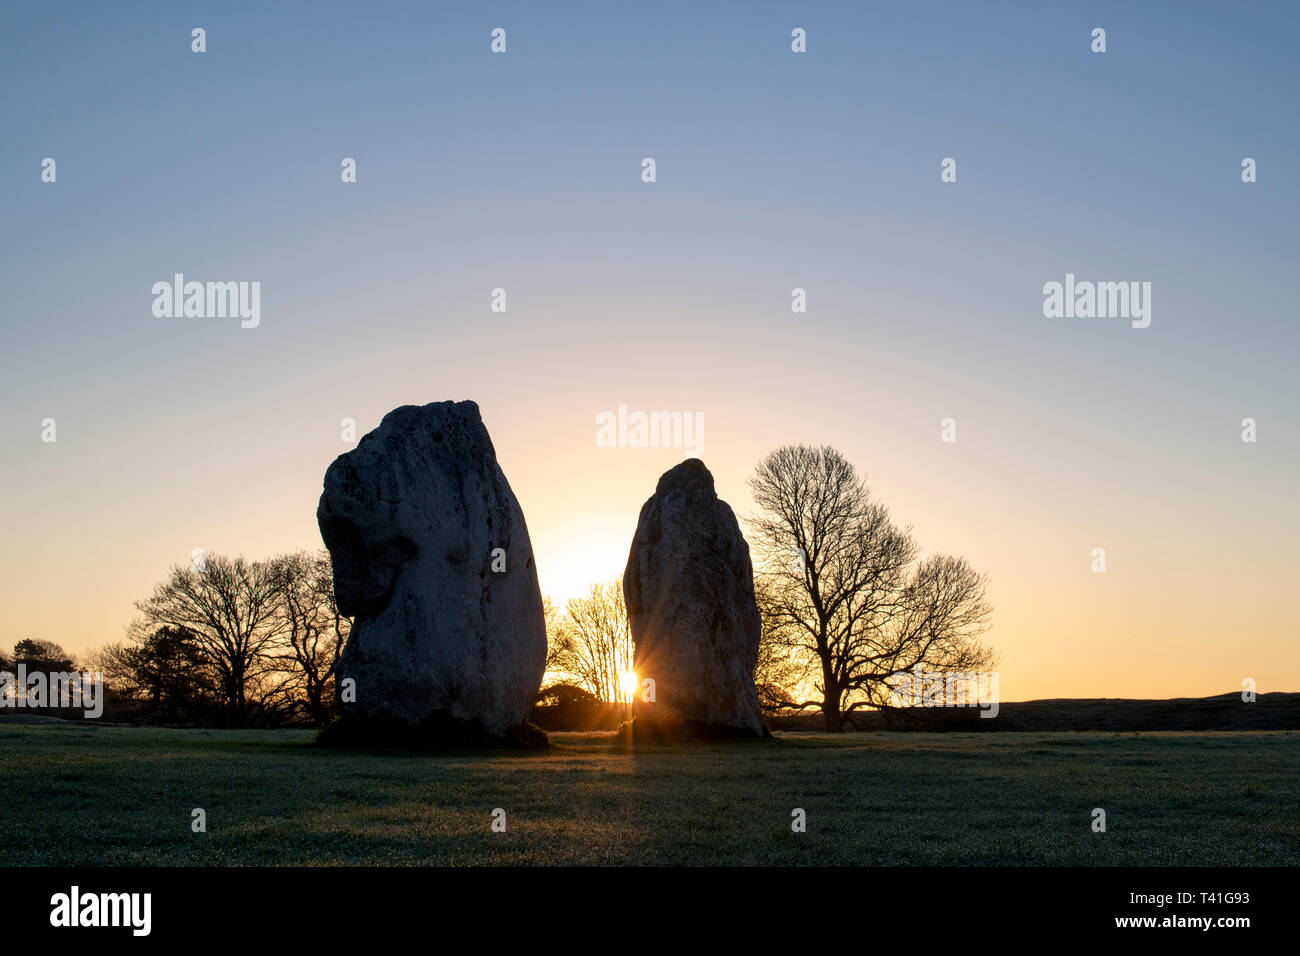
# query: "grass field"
(78, 795)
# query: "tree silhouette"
(845, 591)
(314, 631)
(42, 655)
(166, 675)
(591, 642)
(231, 608)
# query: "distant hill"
(1275, 711)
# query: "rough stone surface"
(411, 518)
(689, 588)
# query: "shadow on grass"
(439, 733)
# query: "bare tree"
(555, 649)
(844, 590)
(591, 642)
(230, 607)
(780, 670)
(314, 631)
(107, 659)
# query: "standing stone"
(449, 637)
(689, 588)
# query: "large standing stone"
(443, 637)
(689, 588)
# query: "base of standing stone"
(438, 731)
(642, 731)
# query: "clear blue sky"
(775, 170)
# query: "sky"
(775, 170)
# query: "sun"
(627, 681)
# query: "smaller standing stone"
(689, 588)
